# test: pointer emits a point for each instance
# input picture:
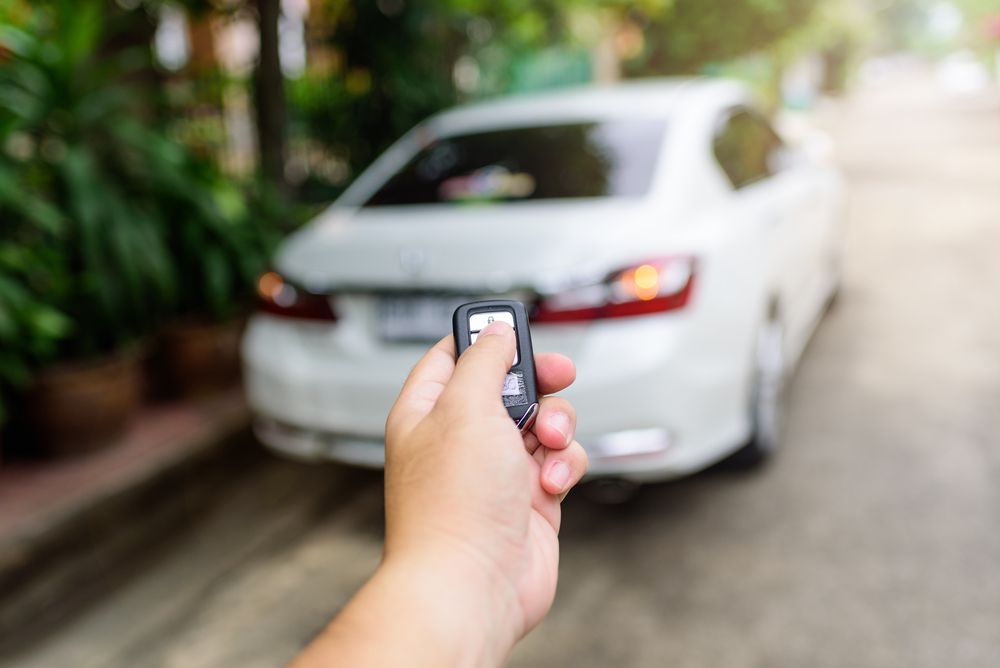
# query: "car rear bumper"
(640, 455)
(646, 411)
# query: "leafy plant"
(30, 329)
(76, 151)
(695, 33)
(140, 229)
(218, 238)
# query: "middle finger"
(556, 422)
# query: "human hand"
(472, 516)
(462, 491)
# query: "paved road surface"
(873, 541)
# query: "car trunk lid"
(470, 249)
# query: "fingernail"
(558, 475)
(497, 327)
(560, 422)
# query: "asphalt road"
(874, 539)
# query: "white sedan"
(661, 233)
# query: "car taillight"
(278, 297)
(653, 286)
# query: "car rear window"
(596, 159)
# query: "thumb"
(481, 369)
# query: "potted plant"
(75, 186)
(30, 329)
(219, 245)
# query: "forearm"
(417, 612)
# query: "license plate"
(416, 318)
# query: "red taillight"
(277, 297)
(654, 286)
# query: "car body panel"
(484, 248)
(657, 395)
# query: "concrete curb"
(53, 565)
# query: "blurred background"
(154, 154)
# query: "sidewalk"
(67, 525)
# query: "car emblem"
(412, 260)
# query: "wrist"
(459, 610)
(421, 609)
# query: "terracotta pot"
(80, 407)
(201, 358)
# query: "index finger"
(554, 372)
(423, 385)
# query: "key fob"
(520, 390)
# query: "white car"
(661, 233)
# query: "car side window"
(745, 147)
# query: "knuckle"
(495, 344)
(556, 402)
(484, 348)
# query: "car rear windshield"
(596, 159)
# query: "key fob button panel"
(479, 321)
(519, 392)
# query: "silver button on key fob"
(520, 391)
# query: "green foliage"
(909, 25)
(395, 66)
(76, 153)
(694, 33)
(396, 70)
(137, 229)
(219, 239)
(30, 329)
(838, 30)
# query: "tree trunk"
(269, 95)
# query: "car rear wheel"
(767, 400)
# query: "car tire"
(768, 399)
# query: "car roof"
(644, 98)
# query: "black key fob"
(520, 390)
